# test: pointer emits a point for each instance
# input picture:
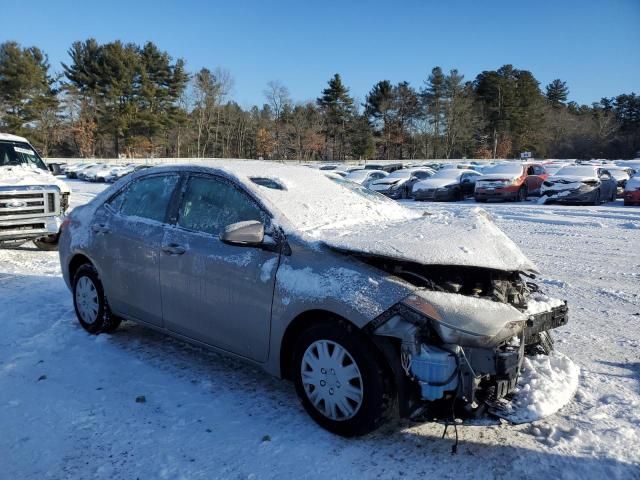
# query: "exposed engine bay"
(463, 336)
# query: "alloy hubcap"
(87, 300)
(332, 380)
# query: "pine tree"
(557, 92)
(27, 93)
(378, 107)
(338, 108)
(432, 99)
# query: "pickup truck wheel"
(342, 384)
(90, 303)
(47, 244)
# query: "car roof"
(12, 138)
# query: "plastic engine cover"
(436, 371)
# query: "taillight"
(64, 223)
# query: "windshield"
(508, 168)
(19, 153)
(577, 172)
(400, 174)
(448, 173)
(358, 175)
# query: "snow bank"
(546, 384)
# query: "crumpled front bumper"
(570, 196)
(436, 372)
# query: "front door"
(212, 292)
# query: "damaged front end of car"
(461, 337)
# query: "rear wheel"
(90, 302)
(341, 382)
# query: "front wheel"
(596, 198)
(90, 302)
(342, 383)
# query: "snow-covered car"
(588, 184)
(99, 173)
(364, 304)
(399, 183)
(72, 170)
(510, 181)
(88, 173)
(365, 177)
(632, 191)
(119, 172)
(446, 185)
(32, 201)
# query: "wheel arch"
(76, 262)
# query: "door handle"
(100, 228)
(173, 249)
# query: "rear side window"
(210, 204)
(146, 198)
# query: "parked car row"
(554, 181)
(100, 172)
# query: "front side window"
(146, 198)
(210, 204)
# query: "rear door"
(213, 292)
(131, 229)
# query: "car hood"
(471, 240)
(434, 183)
(387, 182)
(571, 179)
(21, 175)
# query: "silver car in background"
(370, 308)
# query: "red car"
(631, 193)
(510, 181)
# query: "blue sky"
(593, 45)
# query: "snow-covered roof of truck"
(12, 138)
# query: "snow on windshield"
(359, 174)
(400, 174)
(577, 172)
(448, 173)
(510, 168)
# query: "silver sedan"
(367, 306)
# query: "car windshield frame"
(24, 154)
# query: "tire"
(47, 244)
(481, 200)
(522, 194)
(372, 394)
(596, 198)
(90, 303)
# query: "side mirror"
(249, 233)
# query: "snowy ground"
(68, 404)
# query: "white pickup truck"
(32, 201)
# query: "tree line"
(122, 99)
